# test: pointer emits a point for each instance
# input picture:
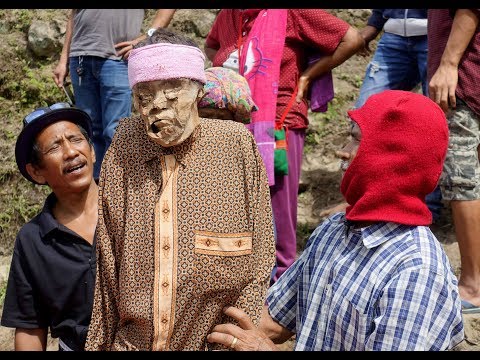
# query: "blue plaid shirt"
(383, 287)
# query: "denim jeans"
(400, 63)
(104, 93)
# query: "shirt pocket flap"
(221, 244)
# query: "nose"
(69, 150)
(159, 103)
(344, 153)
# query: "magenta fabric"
(284, 195)
(260, 60)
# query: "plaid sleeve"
(419, 310)
(283, 296)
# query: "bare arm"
(31, 339)
(61, 70)
(351, 42)
(443, 84)
(368, 33)
(161, 20)
(276, 332)
(210, 53)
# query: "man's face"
(169, 108)
(348, 152)
(66, 158)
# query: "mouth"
(74, 168)
(158, 125)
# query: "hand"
(365, 50)
(125, 47)
(245, 337)
(59, 74)
(368, 33)
(302, 91)
(442, 86)
(333, 210)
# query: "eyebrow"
(60, 139)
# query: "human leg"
(391, 68)
(466, 218)
(87, 97)
(420, 51)
(460, 183)
(284, 196)
(115, 97)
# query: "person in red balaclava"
(373, 277)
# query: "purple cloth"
(321, 89)
(284, 195)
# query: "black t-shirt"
(51, 280)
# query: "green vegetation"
(25, 83)
(3, 290)
(304, 230)
(324, 124)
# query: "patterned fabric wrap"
(165, 61)
(226, 89)
(260, 64)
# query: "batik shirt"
(383, 287)
(182, 232)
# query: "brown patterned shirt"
(182, 232)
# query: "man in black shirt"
(52, 274)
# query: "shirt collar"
(377, 234)
(47, 221)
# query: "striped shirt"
(383, 287)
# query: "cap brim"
(29, 133)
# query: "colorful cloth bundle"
(226, 89)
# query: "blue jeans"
(400, 63)
(105, 94)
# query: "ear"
(35, 174)
(135, 103)
(94, 156)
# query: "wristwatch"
(151, 31)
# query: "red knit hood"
(404, 139)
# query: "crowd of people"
(173, 227)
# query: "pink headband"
(165, 61)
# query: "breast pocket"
(224, 260)
(348, 323)
(211, 243)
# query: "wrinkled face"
(66, 158)
(169, 108)
(348, 152)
